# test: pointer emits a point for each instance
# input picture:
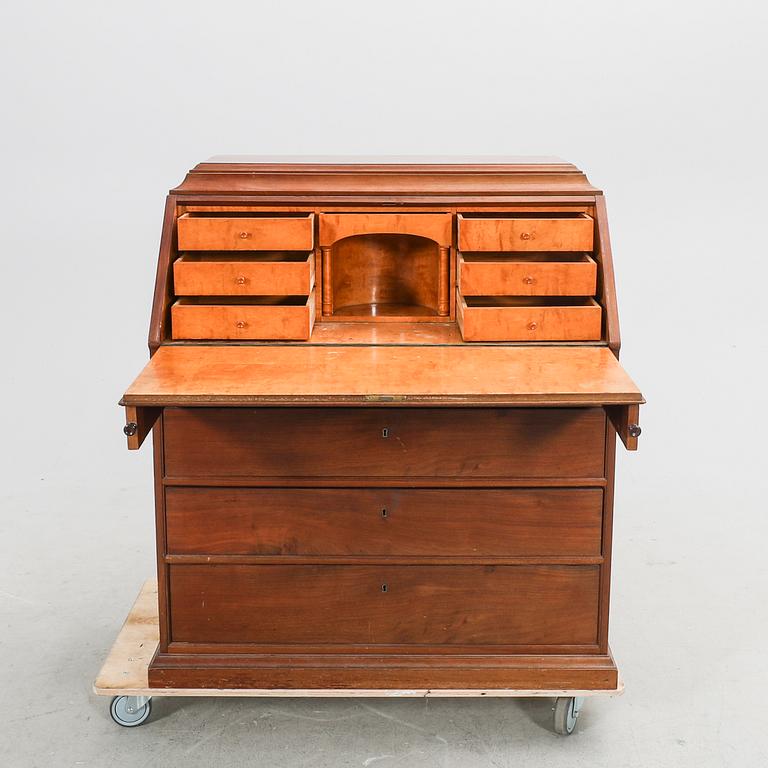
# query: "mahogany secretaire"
(384, 396)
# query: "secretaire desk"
(384, 395)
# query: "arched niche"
(387, 276)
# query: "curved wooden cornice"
(413, 177)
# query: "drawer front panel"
(258, 277)
(385, 442)
(380, 604)
(434, 226)
(518, 233)
(484, 319)
(527, 278)
(384, 521)
(245, 233)
(283, 319)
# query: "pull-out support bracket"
(139, 420)
(626, 421)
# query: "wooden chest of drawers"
(385, 401)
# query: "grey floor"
(688, 634)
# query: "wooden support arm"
(139, 421)
(626, 420)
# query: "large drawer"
(525, 232)
(385, 442)
(381, 604)
(210, 232)
(254, 317)
(262, 274)
(384, 521)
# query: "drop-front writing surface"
(385, 399)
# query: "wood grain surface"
(433, 226)
(239, 318)
(125, 671)
(525, 232)
(245, 233)
(257, 274)
(484, 605)
(528, 318)
(384, 521)
(232, 375)
(385, 442)
(502, 275)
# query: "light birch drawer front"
(528, 319)
(245, 233)
(502, 275)
(526, 232)
(269, 274)
(434, 226)
(271, 317)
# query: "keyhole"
(384, 587)
(385, 432)
(384, 513)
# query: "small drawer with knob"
(245, 232)
(527, 318)
(244, 318)
(545, 231)
(546, 274)
(260, 274)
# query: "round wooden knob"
(245, 235)
(241, 324)
(532, 326)
(527, 235)
(528, 280)
(240, 280)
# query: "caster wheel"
(127, 713)
(566, 711)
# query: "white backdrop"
(663, 104)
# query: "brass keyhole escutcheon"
(384, 512)
(385, 432)
(384, 588)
